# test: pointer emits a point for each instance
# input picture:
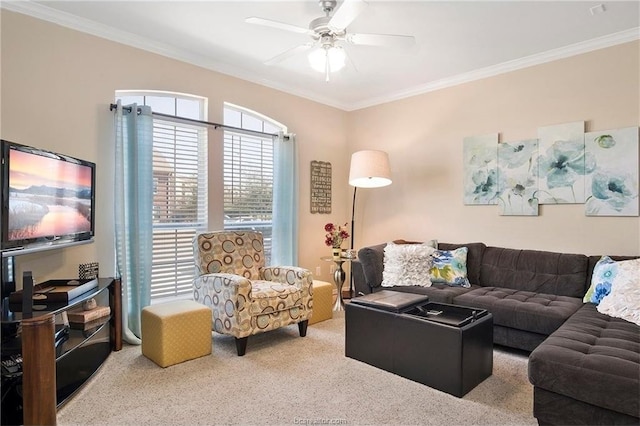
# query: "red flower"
(335, 236)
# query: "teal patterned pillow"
(450, 267)
(603, 274)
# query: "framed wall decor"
(480, 157)
(612, 188)
(517, 179)
(320, 187)
(562, 164)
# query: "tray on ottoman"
(419, 342)
(394, 301)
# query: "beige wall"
(56, 88)
(57, 83)
(423, 136)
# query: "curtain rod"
(206, 123)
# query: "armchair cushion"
(271, 297)
(240, 253)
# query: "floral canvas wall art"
(517, 178)
(562, 164)
(612, 187)
(480, 157)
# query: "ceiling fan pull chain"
(327, 65)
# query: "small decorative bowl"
(87, 305)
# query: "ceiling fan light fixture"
(335, 55)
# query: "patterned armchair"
(246, 297)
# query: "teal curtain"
(284, 242)
(133, 212)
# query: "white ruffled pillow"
(624, 299)
(407, 264)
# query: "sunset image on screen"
(30, 169)
(48, 197)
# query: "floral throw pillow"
(624, 299)
(407, 265)
(450, 267)
(604, 273)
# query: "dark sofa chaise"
(585, 366)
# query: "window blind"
(179, 205)
(248, 185)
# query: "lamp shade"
(369, 169)
(335, 55)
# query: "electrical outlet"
(318, 271)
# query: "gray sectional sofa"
(584, 366)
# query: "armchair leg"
(302, 327)
(241, 345)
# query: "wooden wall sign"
(320, 187)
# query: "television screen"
(47, 197)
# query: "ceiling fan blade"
(346, 13)
(278, 25)
(385, 40)
(288, 53)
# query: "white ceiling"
(456, 41)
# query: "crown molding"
(97, 29)
(45, 13)
(505, 67)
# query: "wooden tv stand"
(51, 375)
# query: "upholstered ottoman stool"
(175, 332)
(322, 301)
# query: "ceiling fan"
(327, 55)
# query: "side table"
(338, 278)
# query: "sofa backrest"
(536, 271)
(372, 260)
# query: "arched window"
(248, 173)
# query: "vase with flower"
(334, 237)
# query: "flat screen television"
(47, 198)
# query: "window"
(179, 188)
(248, 173)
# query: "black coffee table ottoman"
(446, 347)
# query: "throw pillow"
(603, 274)
(450, 267)
(624, 299)
(407, 265)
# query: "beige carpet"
(286, 379)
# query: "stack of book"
(90, 318)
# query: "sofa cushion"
(592, 358)
(407, 264)
(535, 271)
(593, 260)
(450, 267)
(522, 310)
(474, 258)
(603, 275)
(624, 299)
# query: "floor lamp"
(369, 169)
